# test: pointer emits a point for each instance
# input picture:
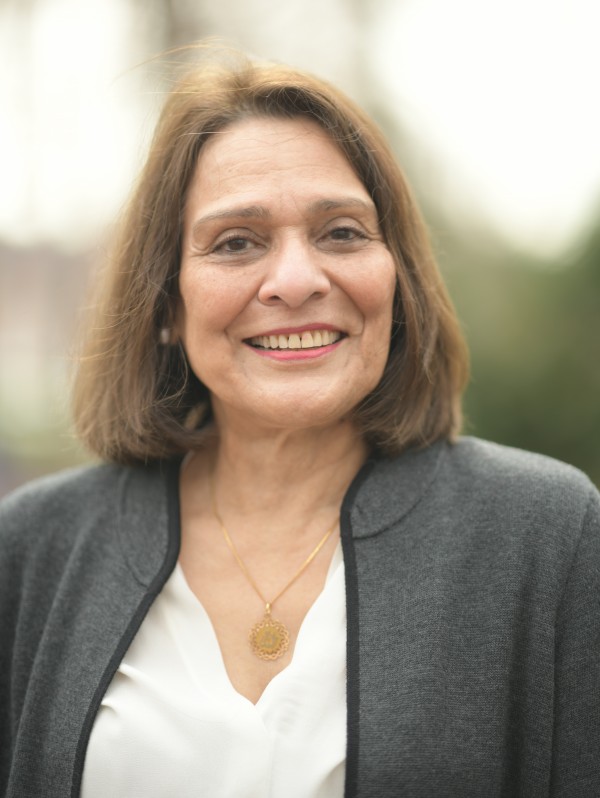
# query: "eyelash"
(229, 239)
(347, 229)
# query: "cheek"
(374, 293)
(207, 304)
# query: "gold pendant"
(269, 639)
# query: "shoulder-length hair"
(135, 398)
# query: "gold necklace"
(269, 638)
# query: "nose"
(294, 275)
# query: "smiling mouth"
(313, 339)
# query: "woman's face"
(286, 284)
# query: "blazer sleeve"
(576, 745)
(11, 519)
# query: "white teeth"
(306, 340)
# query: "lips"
(306, 339)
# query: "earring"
(165, 336)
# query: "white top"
(172, 724)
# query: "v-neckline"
(207, 665)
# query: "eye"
(345, 234)
(234, 244)
(344, 237)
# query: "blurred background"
(492, 109)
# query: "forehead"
(272, 159)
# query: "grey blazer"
(473, 612)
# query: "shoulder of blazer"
(470, 472)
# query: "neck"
(278, 475)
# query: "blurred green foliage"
(533, 328)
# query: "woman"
(290, 578)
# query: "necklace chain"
(269, 639)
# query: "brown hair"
(136, 399)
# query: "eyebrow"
(341, 203)
(245, 212)
(260, 212)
